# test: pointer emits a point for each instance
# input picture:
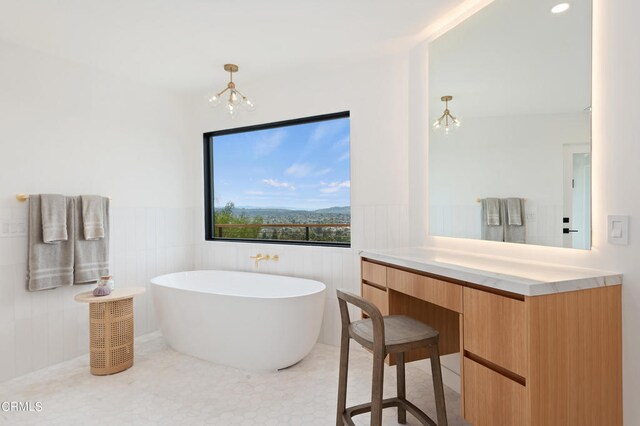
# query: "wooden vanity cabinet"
(495, 329)
(550, 360)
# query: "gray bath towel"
(91, 256)
(54, 217)
(92, 217)
(493, 211)
(514, 211)
(514, 233)
(491, 232)
(49, 265)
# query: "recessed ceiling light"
(560, 7)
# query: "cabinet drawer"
(491, 399)
(377, 297)
(374, 273)
(442, 293)
(495, 328)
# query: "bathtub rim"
(322, 288)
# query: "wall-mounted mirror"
(518, 168)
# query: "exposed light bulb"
(214, 100)
(247, 103)
(560, 8)
(232, 110)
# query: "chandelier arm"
(240, 93)
(220, 94)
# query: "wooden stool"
(385, 335)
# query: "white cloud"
(320, 132)
(276, 183)
(327, 129)
(342, 142)
(266, 146)
(299, 170)
(343, 157)
(322, 172)
(329, 188)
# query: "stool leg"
(376, 387)
(342, 377)
(402, 394)
(438, 387)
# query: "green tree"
(226, 216)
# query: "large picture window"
(286, 182)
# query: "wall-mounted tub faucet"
(258, 257)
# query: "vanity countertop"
(516, 276)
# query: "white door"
(577, 196)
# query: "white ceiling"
(182, 44)
(514, 57)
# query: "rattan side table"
(110, 329)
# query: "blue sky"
(305, 166)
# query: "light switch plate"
(618, 230)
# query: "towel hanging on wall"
(92, 217)
(54, 218)
(91, 256)
(492, 232)
(49, 265)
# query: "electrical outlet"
(530, 214)
(13, 228)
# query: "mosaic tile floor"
(165, 387)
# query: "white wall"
(50, 108)
(65, 128)
(376, 94)
(509, 156)
(616, 150)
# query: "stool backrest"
(369, 308)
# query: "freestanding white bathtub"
(241, 319)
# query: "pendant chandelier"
(446, 120)
(235, 99)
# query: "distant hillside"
(335, 210)
(261, 211)
(276, 216)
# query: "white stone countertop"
(516, 276)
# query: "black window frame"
(209, 208)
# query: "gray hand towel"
(92, 217)
(514, 233)
(491, 232)
(514, 211)
(493, 211)
(54, 217)
(91, 256)
(49, 265)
